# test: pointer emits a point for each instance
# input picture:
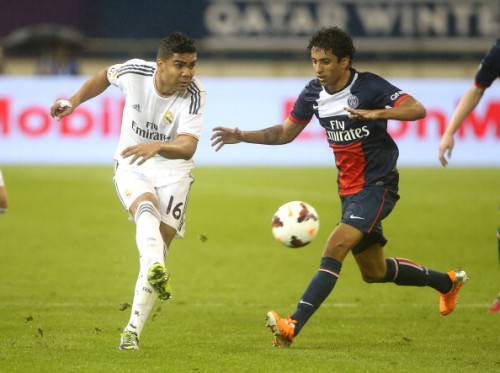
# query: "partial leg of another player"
(338, 245)
(375, 267)
(495, 307)
(153, 276)
(3, 195)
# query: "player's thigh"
(341, 240)
(133, 188)
(366, 209)
(173, 200)
(371, 263)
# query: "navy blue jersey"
(365, 154)
(489, 69)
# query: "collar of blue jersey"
(353, 74)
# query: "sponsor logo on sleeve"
(396, 95)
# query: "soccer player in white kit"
(161, 125)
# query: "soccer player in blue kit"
(489, 70)
(353, 107)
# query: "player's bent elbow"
(187, 154)
(420, 111)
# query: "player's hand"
(364, 113)
(61, 108)
(222, 136)
(142, 152)
(445, 148)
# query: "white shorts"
(172, 192)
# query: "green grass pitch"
(68, 261)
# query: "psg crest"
(352, 101)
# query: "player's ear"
(345, 62)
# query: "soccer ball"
(295, 224)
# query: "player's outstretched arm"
(183, 147)
(467, 103)
(409, 109)
(91, 88)
(275, 135)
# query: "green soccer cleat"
(158, 278)
(128, 341)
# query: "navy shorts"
(365, 211)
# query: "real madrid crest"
(352, 101)
(169, 116)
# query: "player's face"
(331, 71)
(176, 72)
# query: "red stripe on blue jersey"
(298, 121)
(401, 99)
(350, 161)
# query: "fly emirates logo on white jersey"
(150, 131)
(339, 134)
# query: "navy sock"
(320, 287)
(407, 273)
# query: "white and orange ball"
(295, 224)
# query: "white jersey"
(149, 117)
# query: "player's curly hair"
(334, 39)
(176, 42)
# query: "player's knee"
(146, 198)
(337, 248)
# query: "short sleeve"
(113, 76)
(119, 74)
(303, 109)
(191, 119)
(387, 94)
(489, 69)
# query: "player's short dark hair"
(176, 42)
(334, 39)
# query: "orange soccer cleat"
(282, 329)
(448, 301)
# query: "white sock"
(151, 250)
